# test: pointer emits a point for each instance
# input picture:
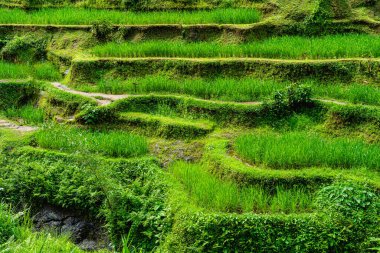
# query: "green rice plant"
(42, 71)
(215, 194)
(110, 143)
(294, 47)
(29, 114)
(301, 149)
(78, 16)
(13, 71)
(46, 71)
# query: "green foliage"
(298, 150)
(111, 143)
(354, 206)
(92, 115)
(102, 30)
(217, 232)
(102, 188)
(27, 48)
(292, 99)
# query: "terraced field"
(178, 126)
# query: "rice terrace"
(189, 126)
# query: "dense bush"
(91, 115)
(100, 188)
(355, 207)
(17, 94)
(26, 48)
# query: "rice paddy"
(131, 140)
(301, 149)
(215, 194)
(41, 71)
(111, 143)
(289, 47)
(78, 16)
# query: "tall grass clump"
(300, 149)
(294, 47)
(41, 71)
(110, 143)
(28, 114)
(8, 224)
(215, 194)
(79, 16)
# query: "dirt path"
(4, 124)
(101, 98)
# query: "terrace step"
(328, 70)
(193, 32)
(168, 127)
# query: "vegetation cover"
(189, 126)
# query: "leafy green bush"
(354, 206)
(102, 30)
(92, 115)
(14, 94)
(26, 48)
(128, 195)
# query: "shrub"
(17, 94)
(355, 207)
(102, 30)
(92, 115)
(26, 48)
